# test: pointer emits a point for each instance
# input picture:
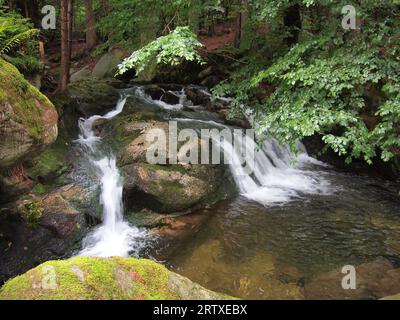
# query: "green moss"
(33, 212)
(92, 278)
(119, 131)
(27, 101)
(26, 64)
(51, 162)
(40, 189)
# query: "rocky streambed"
(196, 222)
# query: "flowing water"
(114, 237)
(295, 218)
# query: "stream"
(292, 223)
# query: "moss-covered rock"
(28, 120)
(50, 164)
(93, 96)
(171, 187)
(83, 278)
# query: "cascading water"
(275, 179)
(114, 237)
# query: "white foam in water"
(114, 237)
(179, 94)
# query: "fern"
(16, 40)
(14, 29)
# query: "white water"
(114, 237)
(275, 179)
(183, 101)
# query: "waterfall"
(114, 237)
(278, 175)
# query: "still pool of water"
(250, 251)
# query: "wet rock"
(171, 187)
(59, 215)
(374, 280)
(84, 278)
(154, 91)
(170, 98)
(239, 122)
(174, 188)
(38, 229)
(206, 72)
(210, 81)
(91, 96)
(198, 96)
(217, 105)
(164, 93)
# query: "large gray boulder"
(108, 63)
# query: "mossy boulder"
(167, 188)
(50, 164)
(173, 188)
(93, 96)
(28, 120)
(83, 278)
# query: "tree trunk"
(66, 43)
(242, 25)
(91, 34)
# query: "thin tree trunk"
(242, 25)
(91, 35)
(66, 37)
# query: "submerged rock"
(374, 280)
(84, 278)
(28, 120)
